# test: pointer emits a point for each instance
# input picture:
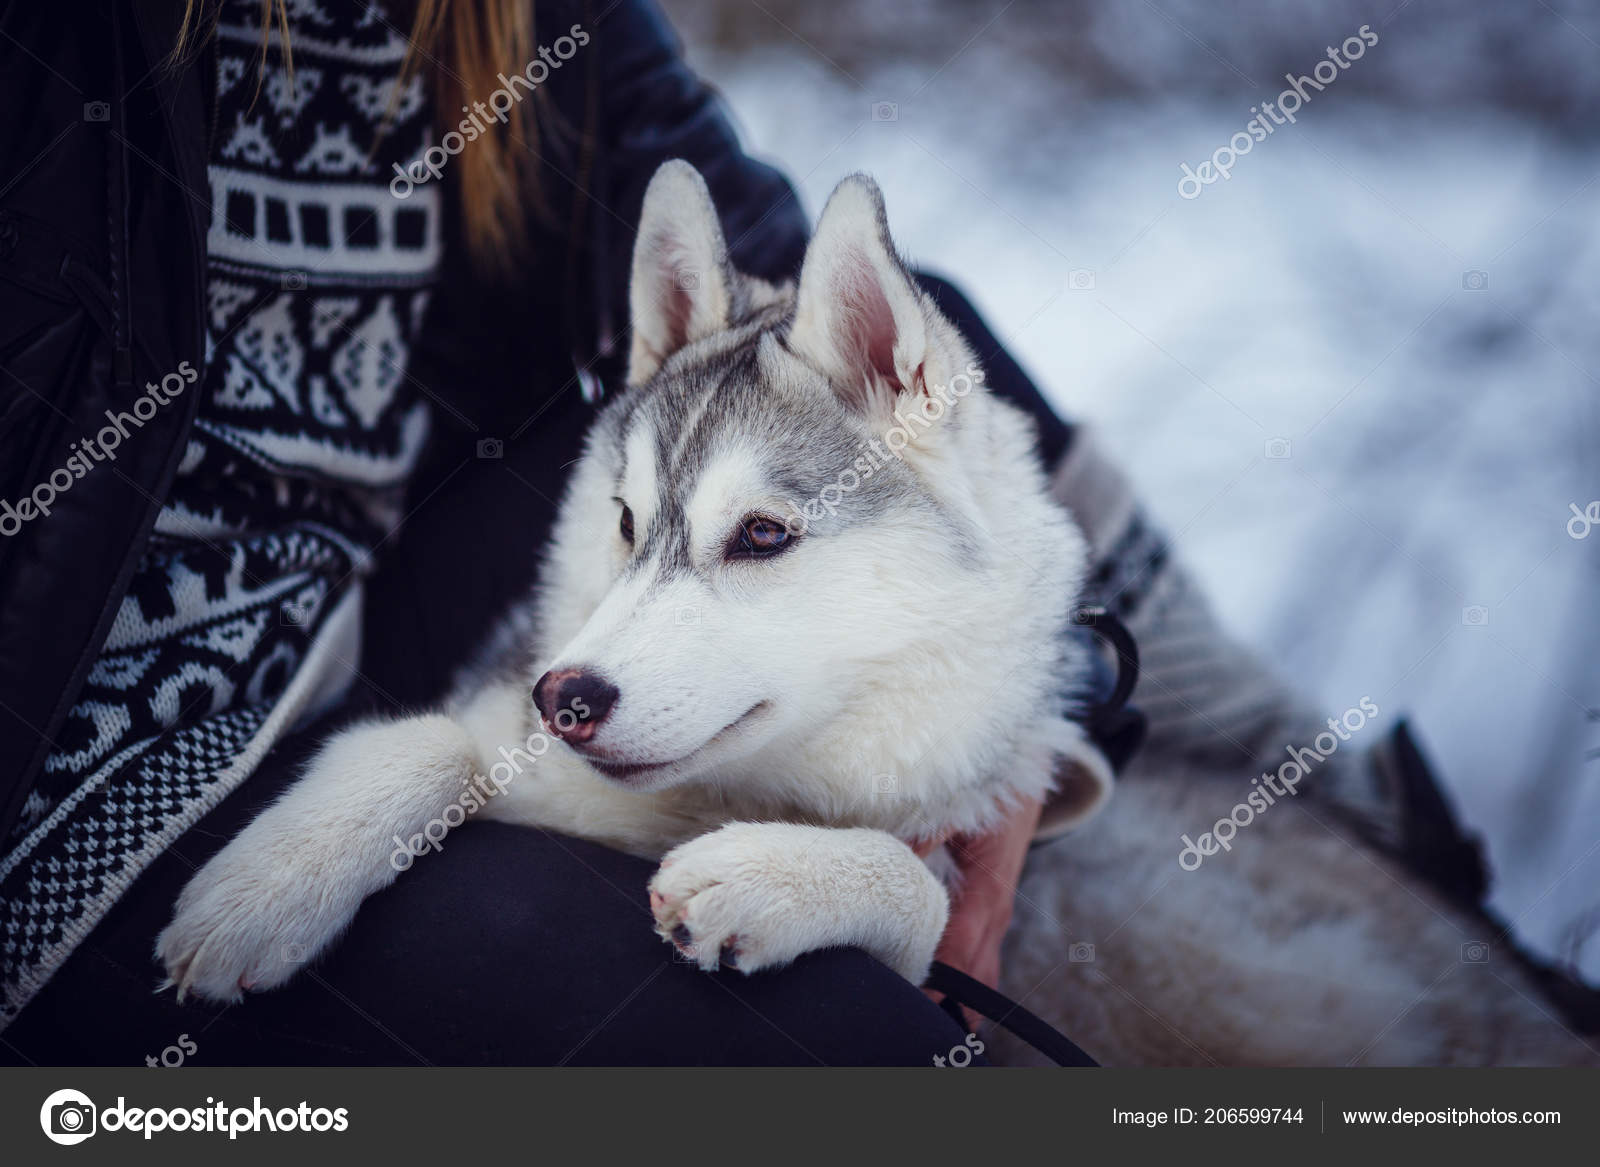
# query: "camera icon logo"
(687, 280)
(1081, 953)
(1279, 449)
(96, 111)
(491, 448)
(1080, 279)
(1475, 281)
(292, 281)
(686, 615)
(1475, 616)
(293, 615)
(885, 783)
(67, 1117)
(885, 111)
(1475, 952)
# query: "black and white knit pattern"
(92, 846)
(307, 430)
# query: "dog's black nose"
(573, 702)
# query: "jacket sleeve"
(653, 108)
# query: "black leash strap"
(958, 987)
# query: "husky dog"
(803, 616)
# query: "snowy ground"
(1437, 433)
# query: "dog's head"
(778, 532)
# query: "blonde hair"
(466, 43)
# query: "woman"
(292, 298)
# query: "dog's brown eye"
(627, 525)
(758, 536)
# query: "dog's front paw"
(248, 921)
(757, 895)
(732, 897)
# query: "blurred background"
(1358, 380)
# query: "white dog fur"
(787, 727)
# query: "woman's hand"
(990, 865)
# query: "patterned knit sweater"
(317, 281)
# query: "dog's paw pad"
(727, 953)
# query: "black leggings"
(511, 945)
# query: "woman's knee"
(543, 949)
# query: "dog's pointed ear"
(681, 287)
(859, 319)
